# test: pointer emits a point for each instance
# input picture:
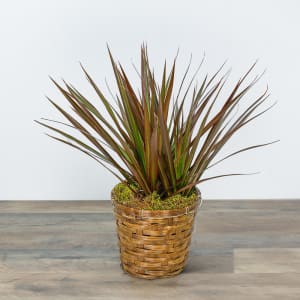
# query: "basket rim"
(159, 212)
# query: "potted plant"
(159, 144)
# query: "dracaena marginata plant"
(157, 139)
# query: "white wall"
(41, 38)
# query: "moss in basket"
(126, 195)
(159, 138)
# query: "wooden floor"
(68, 250)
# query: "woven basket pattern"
(154, 244)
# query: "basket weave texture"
(154, 244)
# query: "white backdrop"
(41, 38)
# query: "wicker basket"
(154, 244)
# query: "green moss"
(173, 202)
(126, 195)
(123, 194)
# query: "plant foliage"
(156, 139)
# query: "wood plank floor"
(68, 250)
